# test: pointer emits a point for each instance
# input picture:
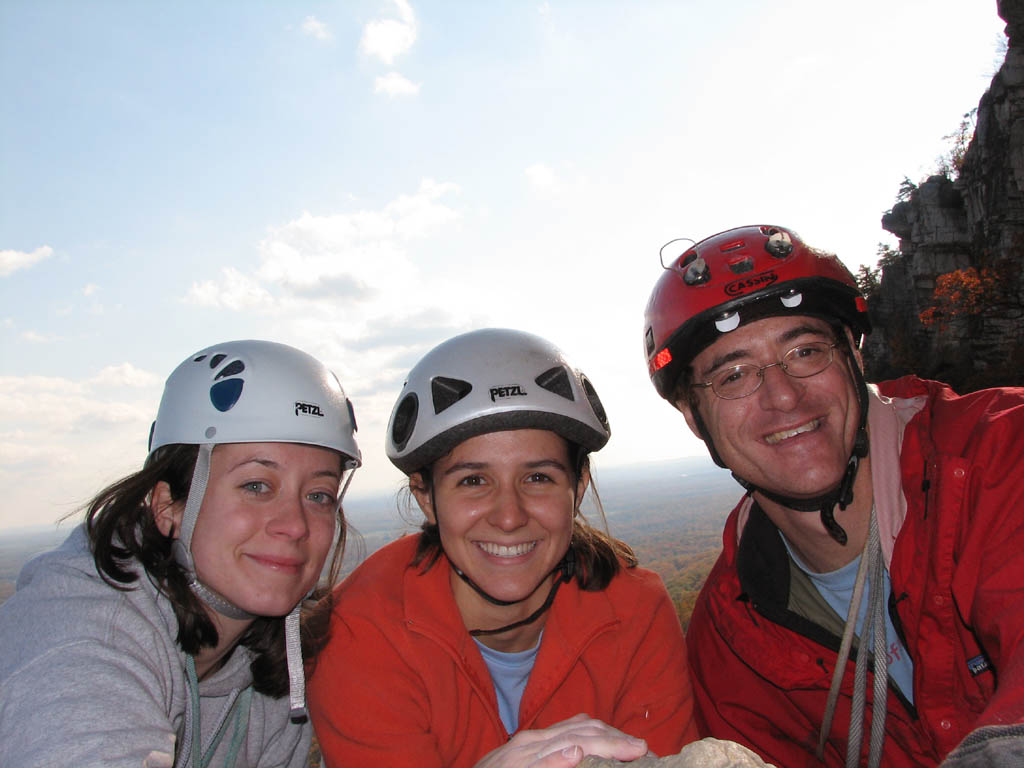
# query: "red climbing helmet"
(736, 277)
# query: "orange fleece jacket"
(401, 682)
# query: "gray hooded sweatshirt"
(92, 676)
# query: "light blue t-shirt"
(837, 589)
(509, 671)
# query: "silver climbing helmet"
(251, 392)
(491, 380)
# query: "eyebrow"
(271, 464)
(474, 465)
(804, 329)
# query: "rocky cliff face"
(974, 224)
(706, 753)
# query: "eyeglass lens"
(799, 362)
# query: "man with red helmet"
(887, 512)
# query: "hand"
(564, 745)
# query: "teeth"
(500, 550)
(778, 437)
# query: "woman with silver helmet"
(165, 630)
(482, 639)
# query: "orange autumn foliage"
(961, 293)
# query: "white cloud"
(395, 84)
(44, 409)
(341, 259)
(421, 215)
(35, 337)
(387, 39)
(64, 439)
(89, 289)
(124, 375)
(12, 261)
(315, 28)
(235, 291)
(541, 176)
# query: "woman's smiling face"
(504, 503)
(266, 523)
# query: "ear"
(424, 498)
(857, 354)
(685, 407)
(166, 512)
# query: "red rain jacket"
(761, 673)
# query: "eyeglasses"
(799, 362)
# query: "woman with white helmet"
(165, 630)
(482, 639)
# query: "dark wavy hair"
(598, 554)
(123, 534)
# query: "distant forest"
(673, 515)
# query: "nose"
(507, 511)
(288, 518)
(778, 390)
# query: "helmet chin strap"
(565, 570)
(182, 546)
(825, 503)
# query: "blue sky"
(365, 179)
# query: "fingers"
(590, 736)
(564, 745)
(618, 745)
(569, 757)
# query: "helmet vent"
(217, 360)
(739, 266)
(351, 415)
(556, 380)
(447, 392)
(404, 421)
(595, 401)
(199, 359)
(224, 394)
(233, 368)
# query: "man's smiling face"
(791, 436)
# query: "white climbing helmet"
(255, 392)
(491, 380)
(251, 392)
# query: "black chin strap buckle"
(568, 565)
(835, 530)
(844, 496)
(845, 492)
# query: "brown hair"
(598, 554)
(123, 533)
